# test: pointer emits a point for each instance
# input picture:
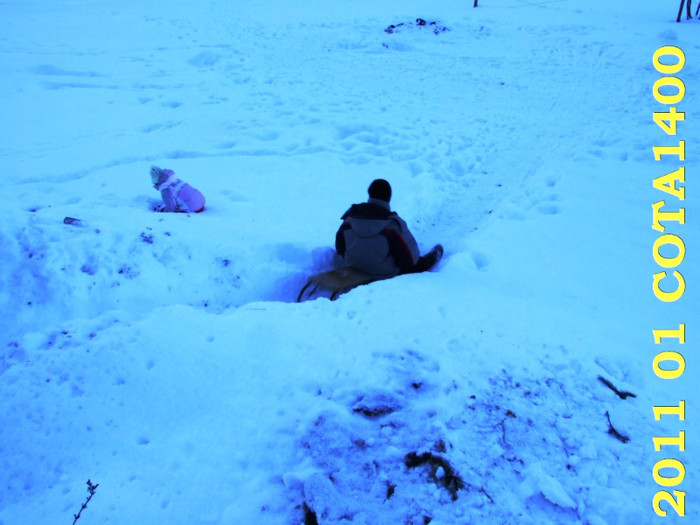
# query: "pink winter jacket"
(180, 196)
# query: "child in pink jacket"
(177, 195)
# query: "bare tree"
(689, 14)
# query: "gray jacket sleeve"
(410, 240)
(402, 245)
(169, 200)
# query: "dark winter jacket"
(376, 240)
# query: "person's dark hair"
(380, 189)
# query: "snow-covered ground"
(163, 356)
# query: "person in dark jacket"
(376, 240)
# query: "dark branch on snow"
(91, 490)
(621, 395)
(450, 479)
(613, 431)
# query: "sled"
(337, 282)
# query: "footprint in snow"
(481, 261)
(548, 209)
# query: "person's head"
(380, 189)
(159, 176)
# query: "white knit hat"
(158, 175)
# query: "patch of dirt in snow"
(429, 448)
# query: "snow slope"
(163, 356)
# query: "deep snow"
(163, 357)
